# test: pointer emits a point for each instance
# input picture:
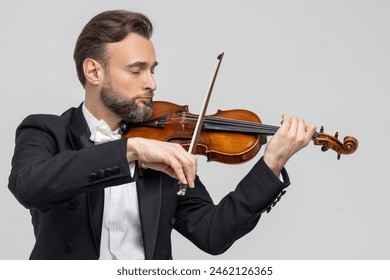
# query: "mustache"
(148, 94)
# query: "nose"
(150, 83)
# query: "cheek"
(125, 84)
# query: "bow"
(103, 133)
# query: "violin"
(228, 136)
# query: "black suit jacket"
(59, 174)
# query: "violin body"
(173, 123)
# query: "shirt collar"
(91, 120)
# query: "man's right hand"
(170, 158)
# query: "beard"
(126, 109)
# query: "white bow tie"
(103, 133)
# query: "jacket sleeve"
(214, 228)
(46, 171)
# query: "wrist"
(274, 164)
(131, 152)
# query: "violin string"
(242, 123)
(238, 123)
(231, 124)
(227, 124)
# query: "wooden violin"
(228, 136)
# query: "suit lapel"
(149, 198)
(78, 130)
(79, 134)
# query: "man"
(93, 195)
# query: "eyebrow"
(141, 64)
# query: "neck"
(99, 111)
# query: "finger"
(301, 130)
(185, 166)
(294, 126)
(286, 123)
(179, 171)
(310, 130)
(189, 164)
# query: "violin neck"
(229, 125)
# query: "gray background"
(326, 61)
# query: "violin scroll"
(349, 145)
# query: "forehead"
(133, 48)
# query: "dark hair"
(107, 27)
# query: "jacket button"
(107, 172)
(116, 170)
(172, 222)
(92, 177)
(68, 248)
(72, 205)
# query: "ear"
(93, 71)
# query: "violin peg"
(336, 135)
(325, 147)
(338, 155)
(322, 129)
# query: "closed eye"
(138, 67)
(135, 70)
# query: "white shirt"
(121, 227)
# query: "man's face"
(129, 84)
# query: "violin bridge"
(183, 120)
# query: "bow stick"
(199, 124)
